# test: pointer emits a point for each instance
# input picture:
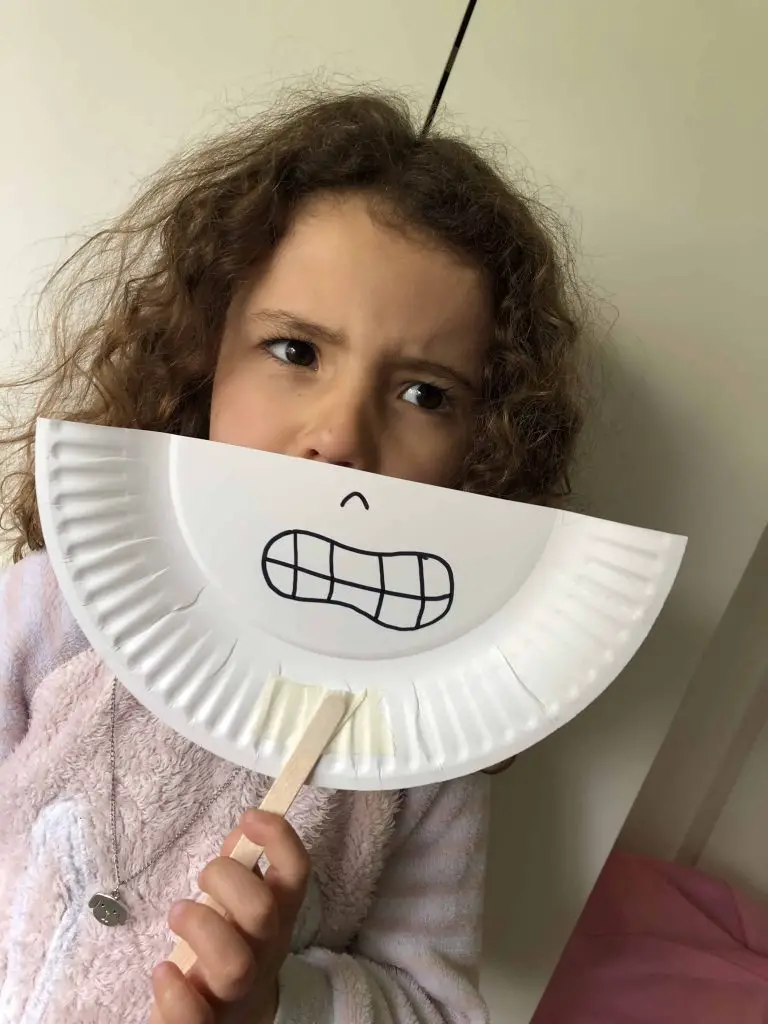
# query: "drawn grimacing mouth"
(403, 590)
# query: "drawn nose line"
(356, 494)
(351, 592)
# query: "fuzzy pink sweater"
(389, 931)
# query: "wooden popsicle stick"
(321, 729)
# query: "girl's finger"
(176, 1001)
(225, 964)
(248, 901)
(289, 863)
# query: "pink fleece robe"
(388, 934)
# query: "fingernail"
(160, 970)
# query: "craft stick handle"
(283, 791)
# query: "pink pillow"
(662, 944)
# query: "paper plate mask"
(225, 586)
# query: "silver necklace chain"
(108, 909)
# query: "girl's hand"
(235, 975)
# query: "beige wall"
(645, 118)
(95, 96)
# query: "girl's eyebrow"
(282, 320)
(417, 365)
(285, 321)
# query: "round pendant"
(108, 910)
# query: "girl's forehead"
(338, 262)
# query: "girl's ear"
(497, 769)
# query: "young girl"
(330, 284)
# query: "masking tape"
(285, 708)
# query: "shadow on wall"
(630, 465)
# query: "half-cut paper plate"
(224, 587)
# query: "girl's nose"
(340, 430)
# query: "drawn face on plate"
(402, 590)
(343, 562)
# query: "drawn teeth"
(399, 590)
(365, 601)
(358, 568)
(401, 575)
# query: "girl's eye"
(426, 396)
(292, 350)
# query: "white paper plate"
(198, 571)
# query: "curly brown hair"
(138, 310)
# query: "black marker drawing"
(356, 494)
(403, 590)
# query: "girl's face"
(358, 345)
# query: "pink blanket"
(662, 944)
